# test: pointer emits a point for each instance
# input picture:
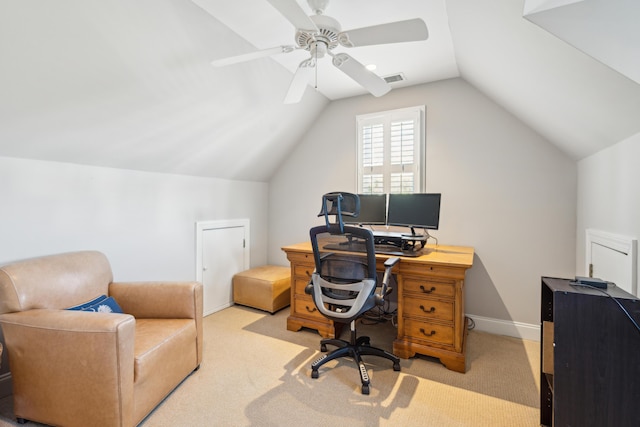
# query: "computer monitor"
(373, 210)
(419, 210)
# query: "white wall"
(144, 222)
(608, 193)
(506, 191)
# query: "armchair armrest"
(160, 300)
(63, 356)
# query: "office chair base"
(360, 348)
(342, 343)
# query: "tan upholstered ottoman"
(267, 287)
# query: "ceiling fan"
(319, 34)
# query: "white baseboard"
(525, 331)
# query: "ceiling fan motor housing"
(328, 31)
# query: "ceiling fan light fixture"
(318, 49)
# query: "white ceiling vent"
(394, 78)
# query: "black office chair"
(344, 283)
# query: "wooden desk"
(431, 318)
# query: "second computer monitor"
(419, 210)
(373, 210)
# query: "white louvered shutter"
(390, 152)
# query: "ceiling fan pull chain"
(316, 70)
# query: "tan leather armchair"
(78, 368)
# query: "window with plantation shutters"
(391, 151)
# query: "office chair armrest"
(391, 262)
(386, 290)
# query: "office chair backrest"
(345, 261)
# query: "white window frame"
(385, 118)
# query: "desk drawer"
(426, 331)
(431, 309)
(430, 287)
(410, 267)
(304, 306)
(301, 258)
(300, 284)
(303, 271)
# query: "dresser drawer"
(300, 285)
(410, 267)
(301, 258)
(426, 331)
(430, 287)
(431, 309)
(304, 306)
(303, 271)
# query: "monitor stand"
(401, 244)
(387, 243)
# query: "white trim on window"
(391, 151)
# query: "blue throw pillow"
(107, 305)
(88, 303)
(102, 304)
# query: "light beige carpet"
(256, 373)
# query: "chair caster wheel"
(315, 374)
(21, 420)
(365, 389)
(396, 366)
(323, 348)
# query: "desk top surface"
(459, 256)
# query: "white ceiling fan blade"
(252, 55)
(393, 32)
(358, 72)
(291, 10)
(300, 81)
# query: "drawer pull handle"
(431, 310)
(307, 273)
(427, 291)
(311, 310)
(432, 333)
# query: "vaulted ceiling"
(129, 84)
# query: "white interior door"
(609, 264)
(223, 251)
(612, 258)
